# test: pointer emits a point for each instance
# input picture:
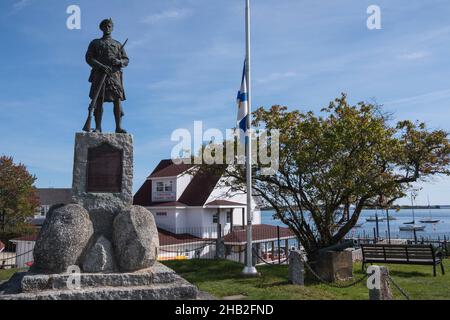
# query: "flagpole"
(249, 269)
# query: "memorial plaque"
(104, 169)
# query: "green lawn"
(222, 278)
(7, 273)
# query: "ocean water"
(432, 231)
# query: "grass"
(7, 273)
(223, 278)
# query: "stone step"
(157, 274)
(179, 289)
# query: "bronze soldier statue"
(107, 57)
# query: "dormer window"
(164, 190)
(168, 187)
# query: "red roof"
(261, 233)
(167, 238)
(195, 194)
(166, 168)
(199, 189)
(2, 246)
(224, 203)
(26, 238)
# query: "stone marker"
(296, 268)
(100, 257)
(62, 239)
(383, 292)
(135, 239)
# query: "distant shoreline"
(434, 207)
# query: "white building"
(191, 208)
(184, 201)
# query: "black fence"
(271, 244)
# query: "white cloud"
(414, 55)
(175, 14)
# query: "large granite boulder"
(100, 257)
(135, 239)
(63, 238)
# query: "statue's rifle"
(93, 104)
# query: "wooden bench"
(417, 254)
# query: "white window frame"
(160, 184)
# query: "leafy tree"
(333, 165)
(18, 198)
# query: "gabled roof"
(195, 194)
(51, 196)
(261, 233)
(200, 188)
(2, 246)
(166, 168)
(167, 238)
(143, 196)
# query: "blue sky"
(185, 65)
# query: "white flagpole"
(249, 269)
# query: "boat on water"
(412, 227)
(430, 218)
(374, 219)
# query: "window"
(161, 214)
(44, 210)
(164, 186)
(215, 218)
(228, 216)
(168, 186)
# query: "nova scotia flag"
(242, 103)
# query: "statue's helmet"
(104, 23)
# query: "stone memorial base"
(112, 243)
(335, 265)
(155, 283)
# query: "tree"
(333, 165)
(18, 198)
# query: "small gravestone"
(296, 268)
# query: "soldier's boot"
(98, 114)
(118, 114)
